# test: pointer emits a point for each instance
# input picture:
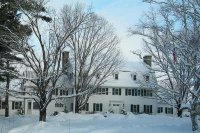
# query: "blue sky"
(121, 14)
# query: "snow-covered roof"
(125, 78)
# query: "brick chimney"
(147, 59)
(65, 58)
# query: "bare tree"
(173, 40)
(95, 52)
(44, 56)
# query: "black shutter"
(135, 92)
(13, 105)
(101, 107)
(132, 92)
(131, 107)
(94, 107)
(113, 89)
(126, 92)
(138, 108)
(119, 91)
(165, 110)
(150, 108)
(144, 108)
(106, 91)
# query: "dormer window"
(146, 78)
(116, 76)
(134, 76)
(98, 76)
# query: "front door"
(29, 110)
(116, 108)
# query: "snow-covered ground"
(96, 123)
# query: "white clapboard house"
(126, 90)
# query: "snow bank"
(114, 123)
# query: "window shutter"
(126, 92)
(132, 92)
(106, 91)
(150, 108)
(101, 107)
(138, 108)
(13, 105)
(144, 108)
(131, 107)
(94, 107)
(113, 89)
(165, 110)
(119, 91)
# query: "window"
(35, 105)
(146, 93)
(138, 92)
(128, 92)
(101, 91)
(146, 78)
(59, 105)
(16, 105)
(116, 91)
(148, 109)
(2, 104)
(160, 110)
(116, 76)
(135, 108)
(97, 75)
(97, 107)
(168, 110)
(63, 92)
(131, 92)
(55, 92)
(134, 77)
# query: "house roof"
(125, 78)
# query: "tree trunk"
(194, 120)
(7, 89)
(7, 105)
(179, 112)
(42, 116)
(76, 105)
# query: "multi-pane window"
(116, 76)
(16, 105)
(128, 92)
(59, 105)
(63, 92)
(160, 110)
(116, 91)
(134, 77)
(148, 109)
(168, 110)
(146, 78)
(97, 107)
(101, 91)
(35, 105)
(135, 108)
(146, 92)
(131, 92)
